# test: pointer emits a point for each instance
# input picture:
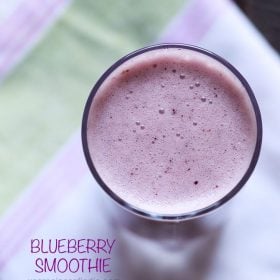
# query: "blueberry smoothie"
(171, 131)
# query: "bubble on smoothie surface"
(157, 144)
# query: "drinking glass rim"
(194, 213)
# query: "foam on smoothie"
(171, 131)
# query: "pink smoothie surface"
(171, 131)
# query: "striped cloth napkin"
(64, 201)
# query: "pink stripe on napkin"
(23, 28)
(194, 21)
(56, 181)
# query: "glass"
(192, 214)
(155, 246)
